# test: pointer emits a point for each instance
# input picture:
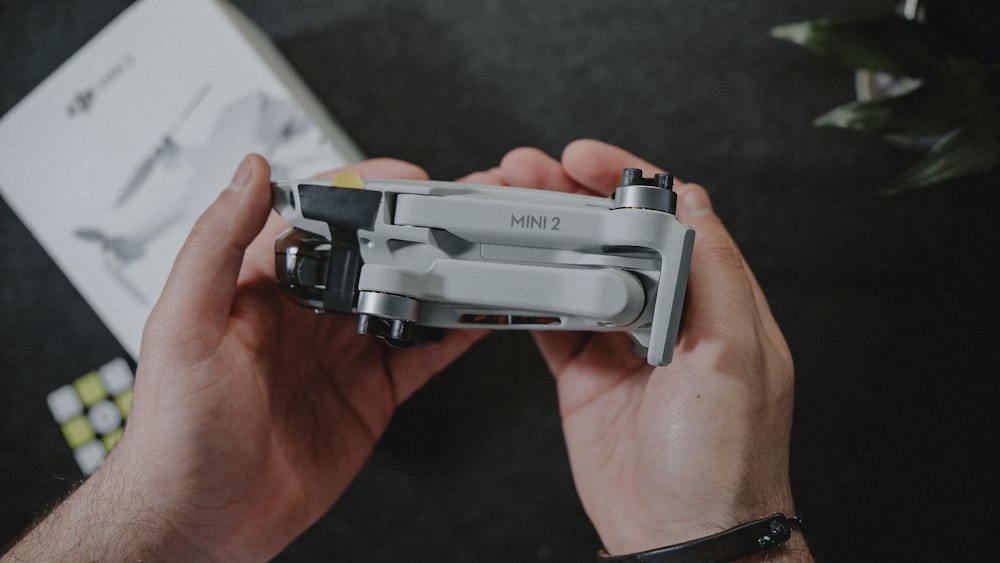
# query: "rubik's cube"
(92, 411)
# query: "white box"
(113, 157)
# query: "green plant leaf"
(889, 44)
(971, 149)
(938, 106)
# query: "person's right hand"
(665, 455)
(251, 414)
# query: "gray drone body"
(409, 257)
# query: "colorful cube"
(91, 412)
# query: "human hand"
(251, 415)
(262, 412)
(665, 455)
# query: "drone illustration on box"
(257, 122)
(413, 257)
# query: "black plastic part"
(634, 177)
(342, 274)
(396, 332)
(665, 181)
(341, 208)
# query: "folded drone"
(413, 257)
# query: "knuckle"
(721, 251)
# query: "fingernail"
(242, 176)
(696, 203)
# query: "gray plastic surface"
(519, 258)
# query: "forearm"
(105, 519)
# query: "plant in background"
(935, 73)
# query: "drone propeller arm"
(605, 295)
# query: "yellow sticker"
(124, 402)
(90, 388)
(111, 440)
(348, 180)
(77, 431)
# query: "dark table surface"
(890, 304)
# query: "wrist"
(155, 509)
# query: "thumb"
(200, 289)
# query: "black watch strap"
(735, 543)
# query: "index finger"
(598, 166)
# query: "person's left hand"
(251, 414)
